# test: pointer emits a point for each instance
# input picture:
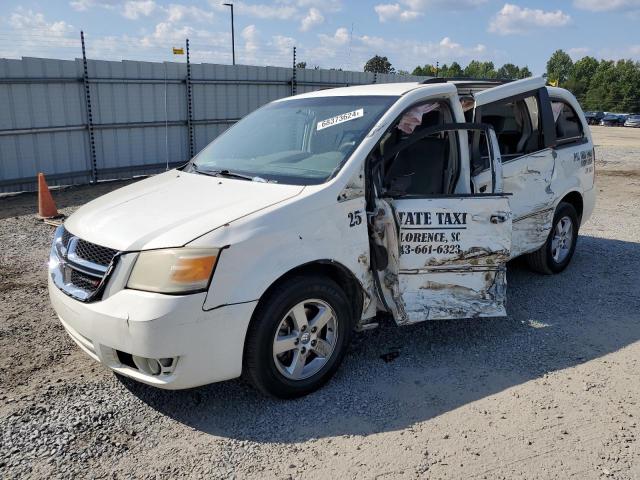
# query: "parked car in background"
(613, 120)
(594, 118)
(633, 121)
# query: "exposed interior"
(428, 167)
(517, 124)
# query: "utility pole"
(437, 67)
(233, 37)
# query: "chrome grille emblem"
(77, 276)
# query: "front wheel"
(298, 337)
(556, 253)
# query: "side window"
(518, 126)
(568, 125)
(429, 166)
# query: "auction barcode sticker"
(343, 117)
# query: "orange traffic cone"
(46, 205)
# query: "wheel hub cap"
(562, 239)
(305, 339)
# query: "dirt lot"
(549, 392)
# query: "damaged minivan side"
(315, 214)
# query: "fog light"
(154, 366)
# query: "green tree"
(450, 71)
(525, 72)
(477, 69)
(378, 64)
(599, 95)
(559, 67)
(425, 71)
(509, 70)
(454, 71)
(301, 65)
(579, 80)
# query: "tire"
(548, 260)
(280, 318)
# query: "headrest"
(496, 121)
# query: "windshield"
(300, 142)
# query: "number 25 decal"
(355, 218)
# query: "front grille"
(95, 253)
(84, 281)
(80, 266)
(66, 236)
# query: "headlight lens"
(173, 270)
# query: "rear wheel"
(298, 337)
(556, 254)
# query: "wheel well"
(575, 199)
(337, 272)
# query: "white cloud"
(323, 5)
(166, 32)
(137, 9)
(33, 35)
(350, 52)
(84, 5)
(406, 10)
(28, 21)
(263, 11)
(179, 13)
(283, 44)
(622, 52)
(607, 5)
(134, 9)
(393, 11)
(513, 19)
(314, 17)
(455, 5)
(250, 36)
(341, 37)
(578, 52)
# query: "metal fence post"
(190, 107)
(375, 77)
(294, 83)
(87, 102)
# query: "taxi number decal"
(355, 218)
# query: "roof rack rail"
(434, 80)
(486, 81)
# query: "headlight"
(174, 270)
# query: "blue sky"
(327, 33)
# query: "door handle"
(498, 218)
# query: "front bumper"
(207, 345)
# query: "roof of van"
(392, 89)
(398, 89)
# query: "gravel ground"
(549, 392)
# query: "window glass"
(568, 124)
(517, 125)
(300, 142)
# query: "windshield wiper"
(222, 173)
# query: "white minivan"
(315, 213)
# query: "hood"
(171, 209)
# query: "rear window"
(568, 125)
